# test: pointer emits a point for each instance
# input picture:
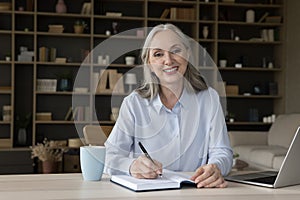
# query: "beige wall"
(293, 57)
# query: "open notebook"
(169, 180)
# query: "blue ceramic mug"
(92, 160)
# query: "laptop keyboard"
(267, 180)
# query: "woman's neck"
(170, 95)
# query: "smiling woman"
(168, 58)
(174, 114)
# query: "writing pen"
(147, 154)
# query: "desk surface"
(71, 186)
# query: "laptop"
(287, 175)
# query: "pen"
(146, 154)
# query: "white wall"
(293, 57)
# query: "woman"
(174, 114)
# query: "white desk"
(72, 187)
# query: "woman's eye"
(158, 54)
(175, 51)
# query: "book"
(169, 180)
(120, 84)
(113, 78)
(69, 114)
(43, 54)
(273, 19)
(263, 17)
(182, 13)
(165, 13)
(102, 83)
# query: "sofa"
(266, 150)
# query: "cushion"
(265, 155)
(277, 162)
(245, 151)
(283, 129)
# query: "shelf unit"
(29, 27)
(6, 79)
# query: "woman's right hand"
(142, 167)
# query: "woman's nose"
(167, 58)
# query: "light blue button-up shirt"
(190, 135)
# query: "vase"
(22, 136)
(78, 29)
(250, 16)
(205, 32)
(61, 7)
(64, 85)
(49, 166)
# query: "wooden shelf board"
(15, 149)
(6, 12)
(251, 5)
(5, 122)
(260, 69)
(248, 42)
(242, 23)
(173, 2)
(62, 64)
(62, 93)
(129, 18)
(172, 20)
(67, 15)
(24, 63)
(24, 32)
(249, 123)
(24, 12)
(254, 96)
(87, 35)
(129, 37)
(61, 122)
(110, 93)
(5, 32)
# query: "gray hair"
(150, 88)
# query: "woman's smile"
(171, 70)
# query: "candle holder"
(130, 80)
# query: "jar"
(250, 16)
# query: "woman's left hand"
(209, 176)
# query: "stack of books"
(55, 28)
(46, 85)
(182, 13)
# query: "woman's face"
(168, 57)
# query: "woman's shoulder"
(209, 92)
(134, 97)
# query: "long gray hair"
(151, 85)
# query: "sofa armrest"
(248, 138)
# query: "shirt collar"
(183, 101)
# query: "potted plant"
(22, 124)
(8, 57)
(64, 81)
(49, 155)
(235, 156)
(79, 26)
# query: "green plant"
(80, 23)
(236, 155)
(23, 122)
